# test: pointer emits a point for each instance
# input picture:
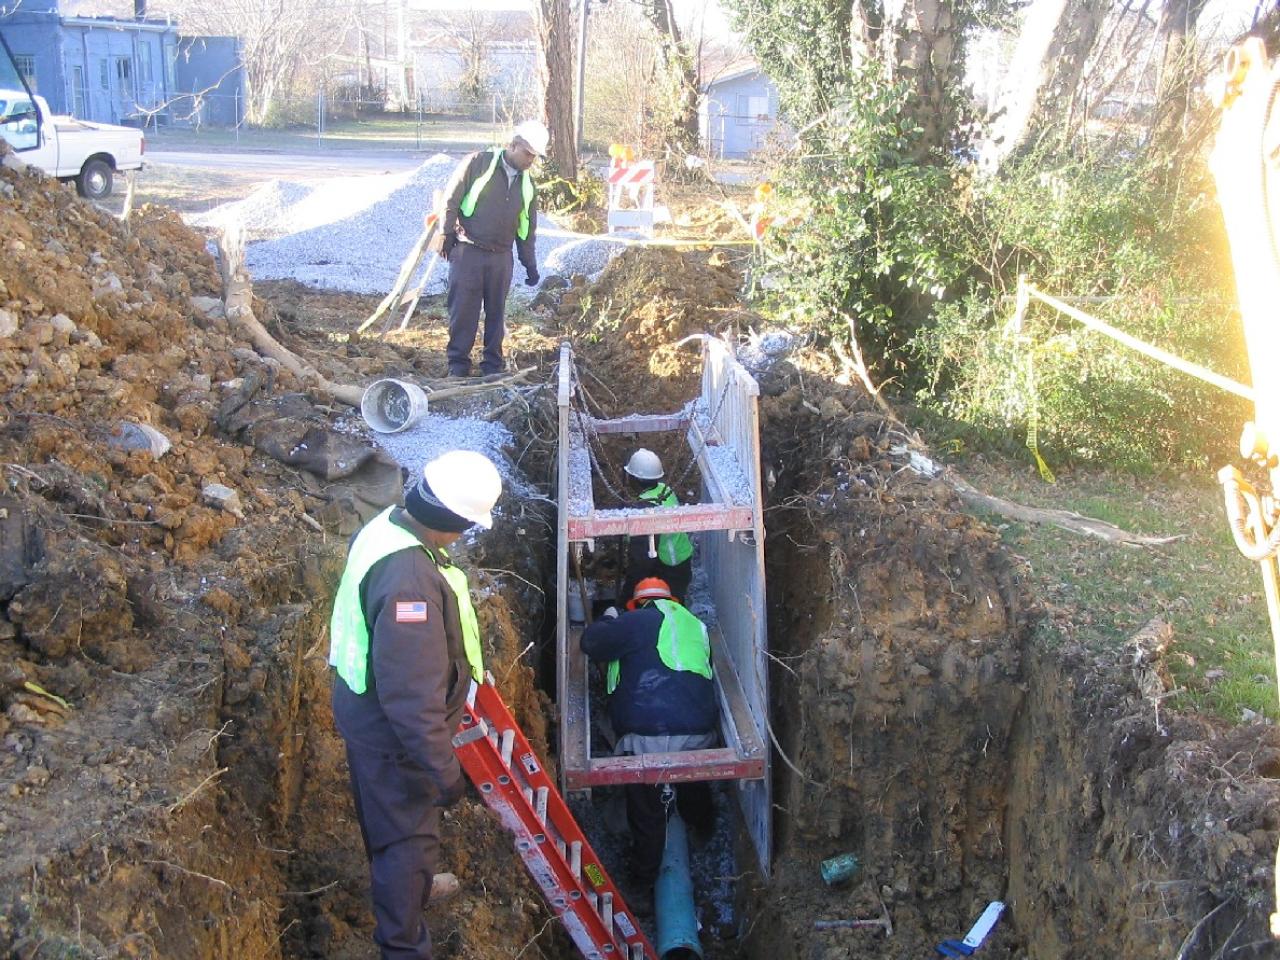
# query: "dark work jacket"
(418, 675)
(492, 225)
(651, 698)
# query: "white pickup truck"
(69, 149)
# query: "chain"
(693, 454)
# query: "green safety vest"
(683, 644)
(348, 631)
(673, 548)
(468, 205)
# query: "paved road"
(318, 164)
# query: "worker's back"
(650, 698)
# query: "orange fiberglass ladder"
(514, 783)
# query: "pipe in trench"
(673, 898)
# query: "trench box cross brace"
(722, 429)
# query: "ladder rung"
(637, 951)
(528, 795)
(606, 911)
(575, 859)
(508, 743)
(564, 850)
(493, 737)
(540, 805)
(594, 901)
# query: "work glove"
(447, 244)
(610, 613)
(533, 278)
(453, 793)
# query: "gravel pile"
(353, 233)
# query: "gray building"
(106, 69)
(737, 113)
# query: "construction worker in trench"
(491, 202)
(406, 645)
(661, 700)
(674, 561)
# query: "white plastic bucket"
(390, 406)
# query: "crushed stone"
(353, 233)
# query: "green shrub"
(871, 242)
(1091, 229)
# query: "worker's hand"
(533, 278)
(447, 244)
(453, 793)
(610, 613)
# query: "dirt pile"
(626, 326)
(174, 787)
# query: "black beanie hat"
(431, 513)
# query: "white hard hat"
(535, 135)
(644, 465)
(467, 483)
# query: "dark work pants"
(401, 830)
(647, 821)
(477, 278)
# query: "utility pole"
(579, 107)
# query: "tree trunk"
(1177, 73)
(556, 64)
(676, 56)
(1054, 44)
(920, 46)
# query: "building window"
(171, 58)
(26, 65)
(104, 75)
(749, 110)
(144, 63)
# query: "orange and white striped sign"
(639, 174)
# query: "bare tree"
(470, 35)
(677, 58)
(1180, 68)
(282, 40)
(556, 65)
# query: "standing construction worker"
(491, 203)
(674, 561)
(661, 700)
(406, 645)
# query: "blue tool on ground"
(977, 934)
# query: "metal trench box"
(722, 429)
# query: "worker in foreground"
(661, 700)
(674, 561)
(491, 203)
(406, 645)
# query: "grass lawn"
(1099, 594)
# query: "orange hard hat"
(650, 588)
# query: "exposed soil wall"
(898, 626)
(1136, 834)
(959, 760)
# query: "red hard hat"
(650, 588)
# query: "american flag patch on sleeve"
(411, 611)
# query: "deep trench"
(961, 766)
